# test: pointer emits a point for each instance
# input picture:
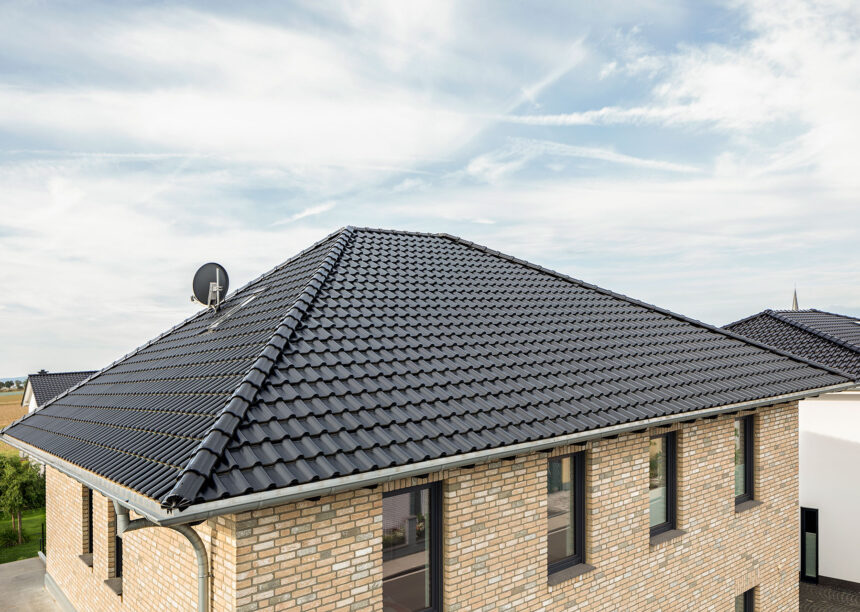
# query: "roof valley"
(211, 448)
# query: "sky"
(699, 156)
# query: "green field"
(32, 523)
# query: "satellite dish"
(210, 285)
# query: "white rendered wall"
(830, 479)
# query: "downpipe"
(123, 524)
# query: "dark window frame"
(577, 468)
(88, 508)
(117, 557)
(749, 600)
(748, 426)
(435, 544)
(804, 512)
(671, 453)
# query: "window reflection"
(560, 510)
(740, 457)
(658, 493)
(405, 551)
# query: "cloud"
(307, 212)
(701, 161)
(492, 166)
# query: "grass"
(10, 409)
(31, 520)
(32, 524)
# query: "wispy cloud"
(520, 152)
(307, 212)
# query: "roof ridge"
(61, 373)
(195, 473)
(815, 332)
(186, 320)
(96, 373)
(631, 300)
(835, 314)
(382, 230)
(745, 319)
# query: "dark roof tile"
(375, 349)
(828, 338)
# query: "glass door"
(809, 544)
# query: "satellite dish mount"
(210, 285)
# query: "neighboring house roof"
(48, 385)
(374, 349)
(825, 337)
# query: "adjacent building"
(396, 421)
(44, 386)
(829, 437)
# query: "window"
(117, 557)
(661, 484)
(87, 526)
(565, 511)
(412, 549)
(809, 544)
(744, 464)
(745, 602)
(88, 509)
(115, 577)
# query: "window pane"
(740, 604)
(740, 457)
(658, 493)
(405, 551)
(559, 510)
(809, 563)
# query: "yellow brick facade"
(159, 567)
(326, 554)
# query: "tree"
(22, 487)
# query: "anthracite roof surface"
(375, 349)
(825, 337)
(48, 385)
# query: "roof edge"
(157, 513)
(195, 473)
(631, 300)
(143, 505)
(275, 497)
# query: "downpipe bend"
(124, 524)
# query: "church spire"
(794, 300)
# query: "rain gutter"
(153, 511)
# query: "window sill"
(87, 559)
(115, 585)
(666, 536)
(747, 505)
(568, 573)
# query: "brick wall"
(311, 555)
(722, 553)
(327, 554)
(159, 566)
